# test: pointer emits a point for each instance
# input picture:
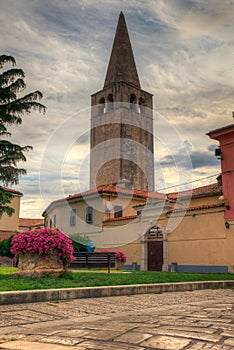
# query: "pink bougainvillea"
(120, 256)
(44, 242)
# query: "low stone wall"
(33, 296)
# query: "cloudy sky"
(184, 52)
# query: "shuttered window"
(73, 217)
(89, 215)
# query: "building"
(189, 231)
(122, 150)
(225, 136)
(9, 224)
(91, 211)
(30, 224)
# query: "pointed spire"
(122, 65)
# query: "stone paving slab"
(197, 320)
(24, 345)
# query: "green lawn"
(98, 278)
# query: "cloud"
(198, 158)
(184, 56)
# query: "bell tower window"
(133, 101)
(141, 104)
(102, 106)
(110, 102)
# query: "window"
(101, 107)
(110, 102)
(50, 223)
(89, 215)
(133, 101)
(54, 220)
(73, 217)
(141, 103)
(118, 211)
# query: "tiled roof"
(28, 222)
(177, 210)
(117, 189)
(208, 190)
(223, 128)
(213, 189)
(11, 191)
(111, 189)
(122, 218)
(198, 207)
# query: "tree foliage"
(12, 109)
(5, 247)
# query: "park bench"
(94, 259)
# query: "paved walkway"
(183, 320)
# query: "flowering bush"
(44, 242)
(120, 256)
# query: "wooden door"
(155, 255)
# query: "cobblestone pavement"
(182, 320)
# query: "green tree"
(12, 109)
(5, 246)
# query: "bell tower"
(122, 146)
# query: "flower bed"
(42, 251)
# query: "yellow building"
(185, 231)
(10, 224)
(189, 235)
(88, 212)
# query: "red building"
(225, 136)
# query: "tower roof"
(122, 65)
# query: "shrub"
(44, 242)
(5, 246)
(78, 247)
(120, 256)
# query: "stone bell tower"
(122, 146)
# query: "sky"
(184, 53)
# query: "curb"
(35, 296)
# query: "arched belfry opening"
(110, 102)
(102, 106)
(141, 105)
(121, 117)
(133, 102)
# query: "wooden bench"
(94, 259)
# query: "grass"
(76, 279)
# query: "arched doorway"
(154, 239)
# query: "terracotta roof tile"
(223, 128)
(117, 189)
(122, 218)
(213, 189)
(111, 189)
(28, 222)
(198, 207)
(10, 190)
